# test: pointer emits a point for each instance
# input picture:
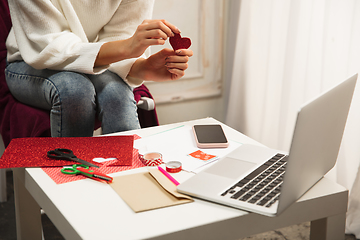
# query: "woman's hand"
(162, 66)
(148, 33)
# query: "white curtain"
(282, 53)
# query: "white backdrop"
(285, 53)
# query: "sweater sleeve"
(50, 34)
(45, 40)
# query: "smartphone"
(210, 136)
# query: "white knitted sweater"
(68, 34)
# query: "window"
(202, 22)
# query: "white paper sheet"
(176, 145)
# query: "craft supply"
(202, 155)
(151, 159)
(119, 147)
(178, 42)
(148, 190)
(67, 154)
(168, 176)
(84, 170)
(173, 166)
(106, 167)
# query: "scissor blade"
(84, 162)
(105, 178)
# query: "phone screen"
(212, 135)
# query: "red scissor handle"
(95, 175)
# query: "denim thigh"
(74, 99)
(69, 96)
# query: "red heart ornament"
(178, 42)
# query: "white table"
(87, 209)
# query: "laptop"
(265, 181)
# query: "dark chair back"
(16, 119)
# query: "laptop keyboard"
(262, 186)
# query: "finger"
(184, 52)
(155, 33)
(178, 73)
(152, 41)
(162, 25)
(177, 59)
(165, 53)
(179, 66)
(171, 26)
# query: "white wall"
(192, 109)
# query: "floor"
(8, 229)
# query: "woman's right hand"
(148, 33)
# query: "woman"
(82, 59)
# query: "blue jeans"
(75, 99)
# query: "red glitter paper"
(107, 167)
(178, 42)
(31, 152)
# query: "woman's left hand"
(164, 65)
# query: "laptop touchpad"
(230, 168)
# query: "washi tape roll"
(173, 166)
(151, 159)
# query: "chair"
(19, 120)
(3, 196)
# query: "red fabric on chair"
(18, 120)
(147, 118)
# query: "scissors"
(84, 170)
(67, 154)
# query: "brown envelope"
(148, 190)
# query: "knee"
(116, 93)
(75, 88)
(121, 97)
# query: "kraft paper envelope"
(148, 190)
